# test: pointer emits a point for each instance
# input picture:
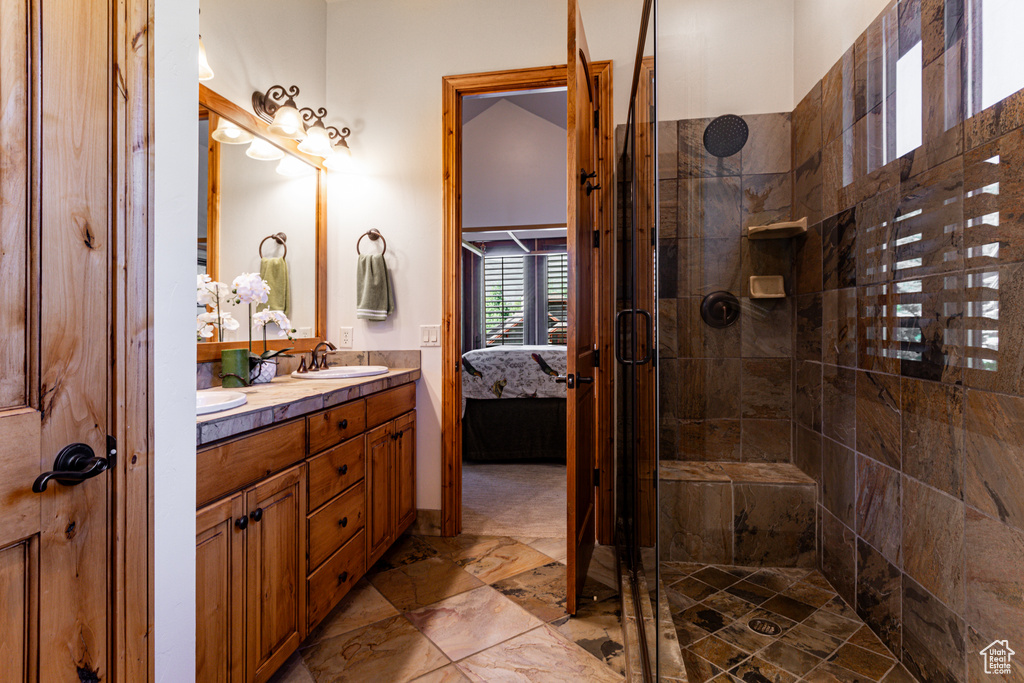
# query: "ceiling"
(549, 104)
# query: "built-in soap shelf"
(777, 231)
(767, 287)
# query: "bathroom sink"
(343, 372)
(216, 401)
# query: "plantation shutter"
(503, 301)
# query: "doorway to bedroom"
(514, 317)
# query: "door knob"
(568, 380)
(256, 514)
(343, 424)
(242, 522)
(343, 470)
(343, 521)
(74, 464)
(343, 577)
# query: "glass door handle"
(649, 324)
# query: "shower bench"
(737, 513)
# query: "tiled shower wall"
(726, 394)
(909, 342)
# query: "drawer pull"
(343, 470)
(343, 424)
(343, 521)
(256, 514)
(343, 577)
(242, 522)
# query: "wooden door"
(581, 405)
(405, 471)
(220, 591)
(55, 358)
(275, 571)
(379, 520)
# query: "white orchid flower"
(225, 319)
(208, 290)
(250, 288)
(263, 318)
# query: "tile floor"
(471, 608)
(820, 638)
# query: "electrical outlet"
(430, 335)
(345, 338)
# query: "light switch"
(430, 335)
(344, 337)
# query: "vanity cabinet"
(293, 516)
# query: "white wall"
(254, 44)
(385, 61)
(513, 168)
(176, 171)
(824, 30)
(719, 57)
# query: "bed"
(512, 407)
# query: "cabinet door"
(379, 518)
(276, 570)
(220, 592)
(405, 471)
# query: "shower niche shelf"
(767, 287)
(777, 231)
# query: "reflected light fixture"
(340, 158)
(293, 167)
(230, 134)
(262, 150)
(277, 107)
(205, 72)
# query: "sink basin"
(216, 401)
(343, 372)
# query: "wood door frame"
(131, 584)
(454, 88)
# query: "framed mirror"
(262, 209)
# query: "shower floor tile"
(770, 624)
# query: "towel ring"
(374, 235)
(280, 238)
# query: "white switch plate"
(430, 335)
(344, 337)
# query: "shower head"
(726, 135)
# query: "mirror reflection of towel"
(275, 272)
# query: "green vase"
(234, 366)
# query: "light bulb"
(205, 72)
(317, 142)
(230, 134)
(288, 122)
(262, 150)
(293, 167)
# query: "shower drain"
(764, 627)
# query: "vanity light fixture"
(318, 138)
(277, 107)
(230, 134)
(262, 150)
(205, 72)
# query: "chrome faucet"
(320, 364)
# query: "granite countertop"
(285, 398)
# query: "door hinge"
(597, 477)
(597, 118)
(597, 239)
(597, 356)
(111, 452)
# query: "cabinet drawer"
(335, 578)
(335, 523)
(334, 471)
(235, 464)
(388, 405)
(333, 426)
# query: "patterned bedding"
(513, 372)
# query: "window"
(525, 300)
(504, 314)
(558, 298)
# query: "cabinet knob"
(242, 522)
(343, 577)
(343, 521)
(343, 424)
(256, 514)
(343, 470)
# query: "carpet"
(514, 499)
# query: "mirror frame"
(217, 106)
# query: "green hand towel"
(275, 272)
(374, 298)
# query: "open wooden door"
(581, 404)
(55, 341)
